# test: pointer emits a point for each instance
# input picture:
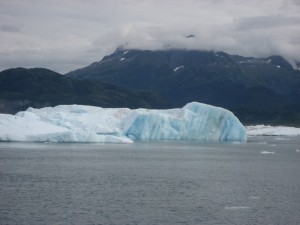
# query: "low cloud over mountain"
(67, 35)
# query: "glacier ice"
(77, 123)
(262, 130)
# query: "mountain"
(22, 88)
(257, 90)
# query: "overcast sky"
(64, 35)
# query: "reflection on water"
(151, 183)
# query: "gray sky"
(64, 35)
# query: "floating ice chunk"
(122, 59)
(261, 143)
(282, 139)
(236, 207)
(297, 150)
(278, 66)
(267, 152)
(124, 53)
(254, 197)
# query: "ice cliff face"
(76, 123)
(195, 121)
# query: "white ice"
(236, 207)
(267, 152)
(177, 68)
(254, 197)
(77, 123)
(272, 131)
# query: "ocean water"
(257, 182)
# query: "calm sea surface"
(151, 183)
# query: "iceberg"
(78, 123)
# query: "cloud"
(267, 22)
(9, 28)
(66, 35)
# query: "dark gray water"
(151, 183)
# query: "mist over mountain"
(257, 90)
(72, 34)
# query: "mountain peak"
(279, 62)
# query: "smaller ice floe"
(267, 152)
(261, 143)
(236, 207)
(124, 53)
(263, 130)
(254, 197)
(270, 60)
(273, 145)
(179, 67)
(122, 59)
(278, 66)
(297, 150)
(282, 139)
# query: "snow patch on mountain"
(177, 68)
